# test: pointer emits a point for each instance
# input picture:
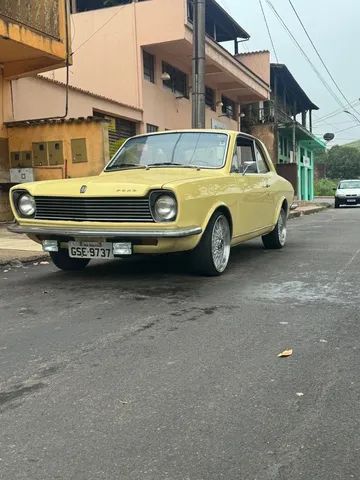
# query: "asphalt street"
(138, 370)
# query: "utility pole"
(198, 65)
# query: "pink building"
(132, 63)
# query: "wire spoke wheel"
(220, 243)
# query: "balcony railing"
(270, 113)
(41, 16)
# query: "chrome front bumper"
(118, 233)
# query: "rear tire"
(277, 238)
(211, 256)
(63, 261)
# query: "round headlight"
(26, 205)
(165, 208)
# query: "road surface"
(139, 371)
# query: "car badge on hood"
(83, 189)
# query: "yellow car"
(197, 191)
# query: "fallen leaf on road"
(286, 353)
(299, 394)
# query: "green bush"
(325, 187)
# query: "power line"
(100, 28)
(268, 30)
(346, 129)
(336, 112)
(318, 74)
(322, 61)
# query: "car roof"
(200, 130)
(350, 180)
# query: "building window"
(210, 98)
(119, 130)
(151, 128)
(177, 81)
(229, 107)
(149, 67)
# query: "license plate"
(352, 200)
(102, 250)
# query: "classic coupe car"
(196, 191)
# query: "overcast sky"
(334, 28)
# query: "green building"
(284, 125)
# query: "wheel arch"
(220, 207)
(283, 203)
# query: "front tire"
(277, 238)
(211, 256)
(337, 203)
(63, 261)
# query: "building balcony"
(33, 38)
(168, 30)
(269, 113)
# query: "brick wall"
(268, 135)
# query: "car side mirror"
(246, 166)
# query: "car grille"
(105, 209)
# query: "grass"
(325, 187)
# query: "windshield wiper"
(124, 167)
(170, 164)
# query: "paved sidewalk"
(19, 248)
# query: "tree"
(340, 162)
(343, 162)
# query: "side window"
(246, 155)
(262, 166)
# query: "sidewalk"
(19, 248)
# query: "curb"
(301, 213)
(17, 260)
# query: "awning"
(303, 136)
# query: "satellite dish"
(328, 137)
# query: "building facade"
(284, 124)
(32, 40)
(143, 59)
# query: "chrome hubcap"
(282, 228)
(220, 244)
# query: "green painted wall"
(305, 158)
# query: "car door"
(250, 188)
(266, 193)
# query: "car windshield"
(350, 184)
(186, 150)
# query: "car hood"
(348, 191)
(129, 183)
